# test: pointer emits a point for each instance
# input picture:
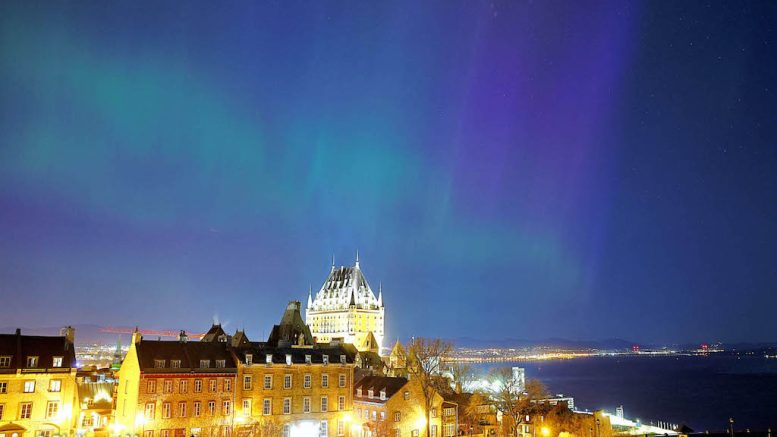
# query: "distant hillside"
(560, 343)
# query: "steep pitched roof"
(215, 333)
(376, 383)
(259, 352)
(19, 347)
(343, 287)
(292, 330)
(189, 353)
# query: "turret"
(310, 297)
(136, 336)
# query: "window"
(2, 410)
(383, 395)
(397, 416)
(151, 386)
(204, 364)
(434, 431)
(324, 404)
(359, 392)
(342, 359)
(175, 364)
(433, 412)
(286, 430)
(212, 385)
(3, 387)
(182, 409)
(326, 359)
(32, 361)
(341, 403)
(306, 381)
(268, 382)
(268, 359)
(227, 385)
(286, 405)
(164, 433)
(414, 433)
(286, 381)
(55, 385)
(324, 428)
(52, 408)
(166, 410)
(324, 380)
(306, 405)
(370, 393)
(226, 408)
(149, 412)
(56, 362)
(340, 428)
(158, 364)
(288, 359)
(197, 385)
(341, 380)
(247, 382)
(267, 407)
(382, 416)
(374, 415)
(5, 361)
(449, 412)
(168, 386)
(396, 432)
(183, 386)
(220, 364)
(308, 359)
(148, 434)
(249, 359)
(406, 395)
(247, 407)
(211, 408)
(197, 408)
(25, 410)
(29, 386)
(450, 429)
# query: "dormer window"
(308, 359)
(359, 391)
(370, 393)
(342, 359)
(220, 364)
(32, 361)
(204, 364)
(159, 364)
(407, 395)
(5, 361)
(326, 359)
(288, 359)
(56, 362)
(383, 395)
(268, 359)
(249, 359)
(175, 364)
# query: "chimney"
(70, 335)
(182, 337)
(136, 336)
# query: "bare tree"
(425, 358)
(461, 374)
(511, 399)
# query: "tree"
(461, 374)
(512, 400)
(425, 358)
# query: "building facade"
(386, 406)
(38, 395)
(346, 308)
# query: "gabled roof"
(240, 338)
(292, 330)
(398, 350)
(344, 287)
(19, 347)
(376, 383)
(190, 354)
(215, 333)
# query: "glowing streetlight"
(545, 431)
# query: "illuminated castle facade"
(346, 308)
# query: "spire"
(310, 296)
(357, 258)
(333, 262)
(380, 294)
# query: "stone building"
(176, 389)
(346, 308)
(37, 385)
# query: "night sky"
(582, 170)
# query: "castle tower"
(346, 308)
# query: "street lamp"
(545, 431)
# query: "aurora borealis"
(505, 169)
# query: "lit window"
(247, 382)
(324, 380)
(342, 359)
(326, 359)
(175, 364)
(183, 386)
(56, 362)
(227, 385)
(370, 393)
(3, 387)
(150, 410)
(341, 403)
(268, 359)
(324, 404)
(306, 405)
(29, 386)
(286, 381)
(55, 385)
(268, 382)
(52, 408)
(407, 395)
(308, 359)
(158, 364)
(32, 361)
(288, 359)
(397, 416)
(182, 409)
(227, 408)
(166, 410)
(341, 380)
(247, 407)
(213, 384)
(197, 407)
(306, 381)
(324, 429)
(197, 385)
(249, 359)
(220, 364)
(204, 364)
(211, 408)
(382, 416)
(168, 386)
(5, 361)
(359, 392)
(151, 386)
